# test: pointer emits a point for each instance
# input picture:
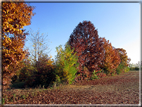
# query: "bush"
(136, 68)
(45, 73)
(26, 72)
(120, 68)
(127, 69)
(58, 80)
(94, 76)
(132, 68)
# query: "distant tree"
(124, 63)
(14, 17)
(89, 47)
(123, 56)
(136, 66)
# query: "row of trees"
(96, 53)
(86, 55)
(135, 66)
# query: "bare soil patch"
(119, 89)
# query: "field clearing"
(118, 89)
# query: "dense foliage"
(124, 61)
(14, 19)
(111, 58)
(123, 56)
(13, 36)
(89, 47)
(85, 57)
(44, 74)
(66, 64)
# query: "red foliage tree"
(89, 47)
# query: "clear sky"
(117, 22)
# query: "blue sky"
(117, 22)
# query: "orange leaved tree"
(111, 58)
(123, 66)
(14, 17)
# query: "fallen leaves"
(126, 92)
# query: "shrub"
(26, 72)
(94, 76)
(136, 68)
(44, 74)
(127, 69)
(120, 68)
(58, 80)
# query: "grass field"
(118, 89)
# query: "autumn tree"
(111, 59)
(14, 17)
(39, 44)
(123, 56)
(89, 47)
(66, 64)
(44, 74)
(124, 63)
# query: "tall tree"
(39, 43)
(88, 45)
(66, 62)
(14, 17)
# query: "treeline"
(86, 55)
(135, 66)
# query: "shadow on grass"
(19, 85)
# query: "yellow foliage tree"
(14, 17)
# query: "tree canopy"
(88, 45)
(14, 17)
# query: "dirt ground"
(119, 89)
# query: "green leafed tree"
(66, 63)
